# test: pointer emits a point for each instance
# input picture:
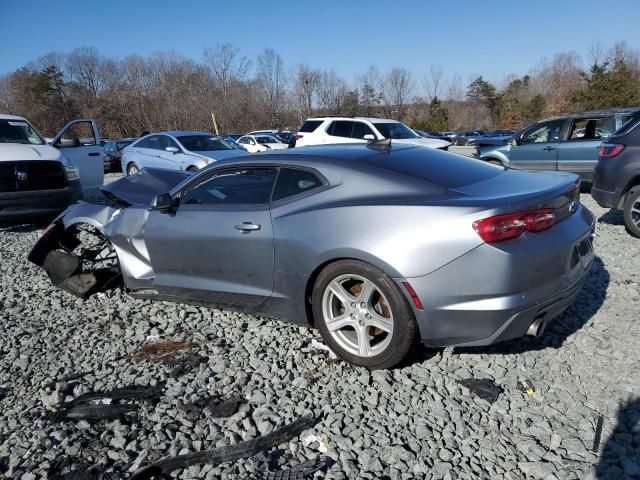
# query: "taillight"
(512, 225)
(608, 150)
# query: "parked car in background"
(378, 246)
(616, 180)
(432, 134)
(568, 143)
(113, 154)
(261, 143)
(179, 150)
(464, 138)
(234, 136)
(37, 179)
(331, 130)
(233, 142)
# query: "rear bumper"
(605, 198)
(494, 293)
(38, 203)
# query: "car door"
(217, 245)
(165, 159)
(537, 147)
(579, 152)
(79, 142)
(339, 131)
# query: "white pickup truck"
(40, 178)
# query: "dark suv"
(616, 181)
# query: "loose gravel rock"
(412, 422)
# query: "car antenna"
(383, 144)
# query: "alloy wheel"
(357, 315)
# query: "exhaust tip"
(537, 327)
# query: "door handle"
(94, 154)
(548, 149)
(247, 227)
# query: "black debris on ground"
(598, 434)
(216, 407)
(230, 453)
(185, 363)
(484, 388)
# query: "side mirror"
(173, 150)
(369, 137)
(162, 203)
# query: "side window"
(543, 132)
(292, 182)
(168, 142)
(592, 128)
(360, 130)
(77, 135)
(310, 126)
(233, 187)
(341, 128)
(149, 142)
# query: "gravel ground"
(412, 422)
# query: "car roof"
(178, 133)
(10, 117)
(592, 113)
(367, 119)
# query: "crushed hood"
(142, 188)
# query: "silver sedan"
(375, 245)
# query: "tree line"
(167, 91)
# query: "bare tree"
(88, 68)
(332, 91)
(433, 82)
(305, 84)
(597, 54)
(271, 80)
(225, 64)
(396, 90)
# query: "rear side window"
(360, 130)
(291, 182)
(310, 126)
(439, 168)
(340, 128)
(149, 142)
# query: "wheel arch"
(631, 186)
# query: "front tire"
(632, 213)
(362, 315)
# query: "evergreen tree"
(609, 86)
(438, 116)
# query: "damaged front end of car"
(78, 260)
(93, 247)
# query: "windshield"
(19, 131)
(395, 130)
(266, 139)
(203, 143)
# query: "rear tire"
(362, 315)
(132, 169)
(632, 212)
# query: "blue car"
(568, 144)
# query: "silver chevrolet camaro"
(375, 245)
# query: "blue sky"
(493, 38)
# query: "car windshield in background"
(266, 139)
(121, 145)
(395, 130)
(19, 131)
(438, 168)
(203, 143)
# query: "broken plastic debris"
(230, 453)
(321, 346)
(215, 407)
(484, 388)
(322, 441)
(598, 434)
(525, 386)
